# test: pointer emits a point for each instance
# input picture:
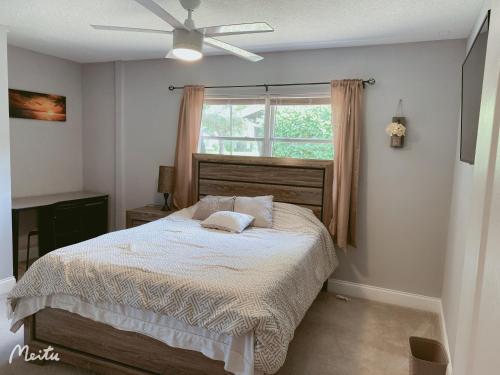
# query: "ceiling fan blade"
(133, 29)
(240, 28)
(152, 6)
(247, 55)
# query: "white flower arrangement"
(395, 128)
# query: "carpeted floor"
(335, 338)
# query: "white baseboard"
(7, 284)
(393, 297)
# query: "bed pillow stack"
(211, 204)
(261, 208)
(215, 211)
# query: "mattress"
(259, 282)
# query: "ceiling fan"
(188, 40)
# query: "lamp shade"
(166, 179)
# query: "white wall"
(404, 195)
(5, 193)
(46, 156)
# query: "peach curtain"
(346, 98)
(188, 134)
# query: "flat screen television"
(472, 85)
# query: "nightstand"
(146, 214)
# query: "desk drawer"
(67, 223)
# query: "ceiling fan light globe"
(187, 45)
(187, 54)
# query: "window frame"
(270, 102)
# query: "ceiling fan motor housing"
(188, 39)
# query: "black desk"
(63, 219)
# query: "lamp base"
(165, 207)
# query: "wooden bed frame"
(107, 350)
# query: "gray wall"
(470, 285)
(457, 231)
(5, 195)
(99, 131)
(459, 220)
(46, 156)
(404, 194)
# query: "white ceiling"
(61, 27)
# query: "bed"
(172, 297)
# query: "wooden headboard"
(302, 182)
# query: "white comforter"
(261, 281)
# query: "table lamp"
(166, 184)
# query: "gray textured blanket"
(262, 280)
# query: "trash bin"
(427, 357)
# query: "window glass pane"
(231, 147)
(248, 120)
(216, 120)
(303, 150)
(233, 120)
(303, 121)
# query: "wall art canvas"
(37, 106)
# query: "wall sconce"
(397, 128)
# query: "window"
(233, 127)
(269, 126)
(301, 128)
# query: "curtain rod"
(370, 81)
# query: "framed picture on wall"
(36, 105)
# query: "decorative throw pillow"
(210, 204)
(228, 221)
(261, 208)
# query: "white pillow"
(227, 220)
(261, 208)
